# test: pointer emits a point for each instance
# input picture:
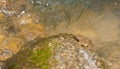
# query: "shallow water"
(98, 20)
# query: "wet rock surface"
(23, 21)
(57, 52)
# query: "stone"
(61, 51)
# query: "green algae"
(41, 57)
(36, 55)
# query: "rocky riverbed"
(62, 51)
(93, 23)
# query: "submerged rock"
(57, 52)
(8, 47)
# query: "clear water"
(98, 20)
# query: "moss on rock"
(59, 52)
